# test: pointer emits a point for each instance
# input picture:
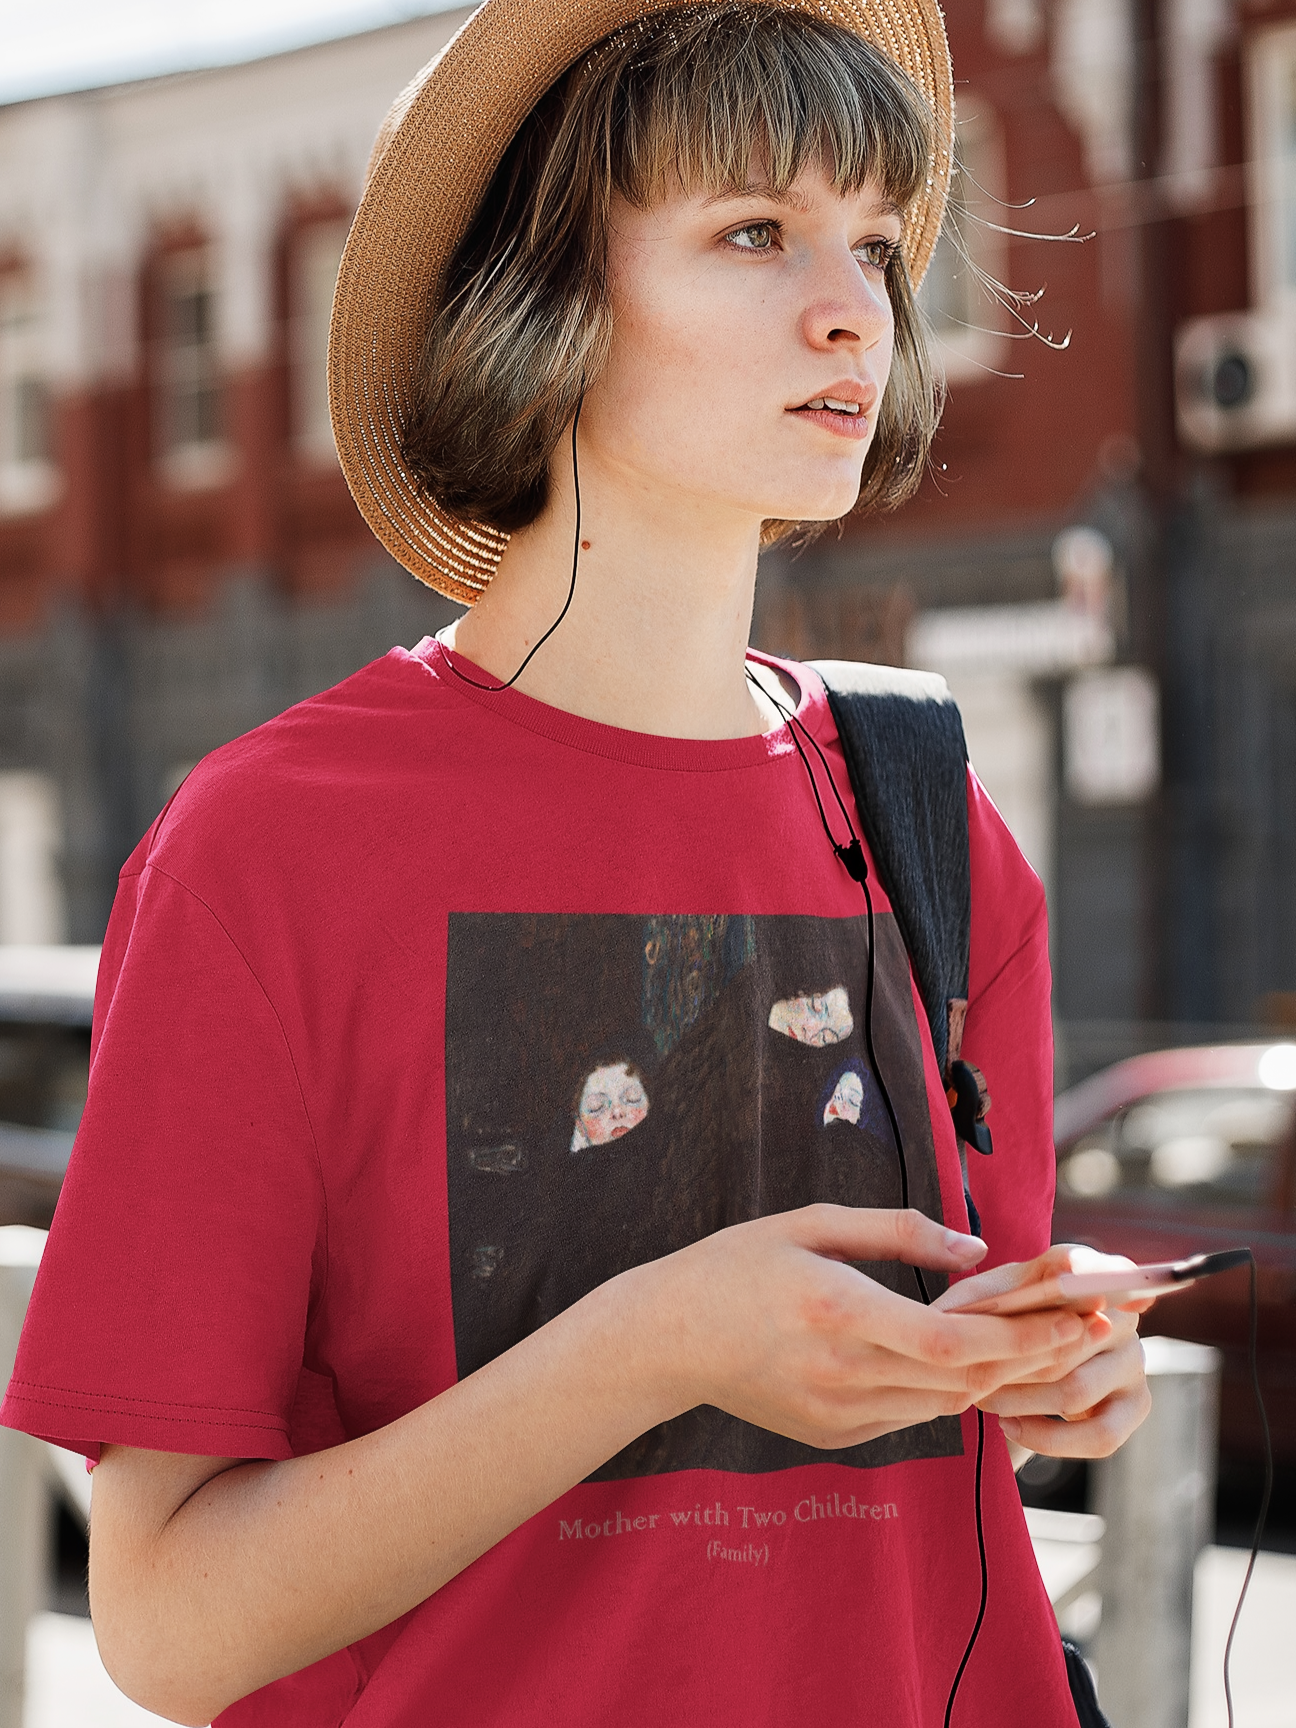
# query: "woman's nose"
(849, 306)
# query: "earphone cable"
(985, 1573)
(571, 591)
(1253, 1358)
(852, 854)
(852, 858)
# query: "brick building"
(1166, 129)
(179, 555)
(1105, 529)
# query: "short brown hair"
(696, 97)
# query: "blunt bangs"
(718, 99)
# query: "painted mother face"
(613, 1100)
(820, 1019)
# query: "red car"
(1183, 1151)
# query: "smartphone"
(1086, 1291)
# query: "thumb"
(887, 1233)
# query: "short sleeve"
(171, 1306)
(1009, 1036)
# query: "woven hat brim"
(431, 165)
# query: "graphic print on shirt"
(620, 1086)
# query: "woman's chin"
(814, 507)
(822, 497)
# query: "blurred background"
(1100, 561)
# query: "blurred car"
(46, 999)
(1184, 1151)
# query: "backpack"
(902, 736)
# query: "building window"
(1272, 76)
(28, 477)
(191, 448)
(314, 259)
(964, 314)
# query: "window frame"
(29, 482)
(310, 426)
(181, 368)
(1271, 66)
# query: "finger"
(856, 1427)
(1097, 1339)
(994, 1379)
(874, 1399)
(876, 1337)
(876, 1367)
(1075, 1394)
(886, 1233)
(1038, 1280)
(1012, 1275)
(1096, 1436)
(959, 1340)
(892, 1407)
(1124, 1324)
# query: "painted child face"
(732, 313)
(612, 1102)
(847, 1100)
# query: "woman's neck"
(656, 636)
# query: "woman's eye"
(755, 237)
(877, 254)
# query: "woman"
(413, 1399)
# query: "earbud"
(852, 857)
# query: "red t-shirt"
(425, 1009)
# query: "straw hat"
(430, 168)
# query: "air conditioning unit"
(1235, 380)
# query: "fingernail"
(1069, 1329)
(1011, 1427)
(969, 1246)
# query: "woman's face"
(733, 316)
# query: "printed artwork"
(618, 1087)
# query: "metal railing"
(29, 1473)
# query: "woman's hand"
(1101, 1400)
(766, 1321)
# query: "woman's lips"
(854, 426)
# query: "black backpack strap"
(902, 736)
(1084, 1694)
